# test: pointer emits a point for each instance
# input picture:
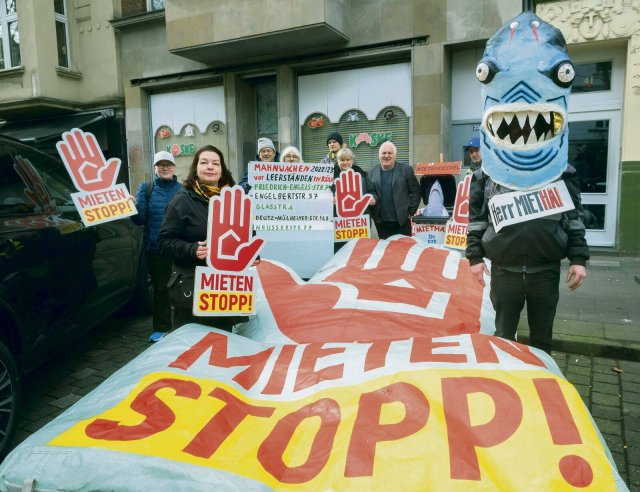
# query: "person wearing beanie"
(266, 153)
(334, 142)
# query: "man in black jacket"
(396, 191)
(525, 258)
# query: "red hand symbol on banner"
(349, 199)
(84, 160)
(432, 295)
(461, 206)
(229, 237)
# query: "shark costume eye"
(485, 71)
(563, 74)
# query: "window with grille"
(9, 35)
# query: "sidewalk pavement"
(602, 317)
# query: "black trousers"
(540, 290)
(387, 229)
(160, 271)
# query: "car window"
(31, 182)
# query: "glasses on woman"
(291, 158)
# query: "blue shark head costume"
(526, 78)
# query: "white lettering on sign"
(520, 206)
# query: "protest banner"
(98, 199)
(350, 205)
(293, 212)
(211, 410)
(226, 287)
(437, 168)
(430, 233)
(456, 227)
(519, 206)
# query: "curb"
(609, 350)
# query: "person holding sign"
(396, 191)
(266, 153)
(183, 233)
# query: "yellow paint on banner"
(108, 211)
(225, 302)
(351, 233)
(456, 241)
(431, 429)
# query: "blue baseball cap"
(474, 142)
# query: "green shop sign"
(373, 139)
(181, 149)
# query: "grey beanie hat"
(265, 143)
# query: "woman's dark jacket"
(536, 244)
(151, 214)
(185, 223)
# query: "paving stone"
(630, 409)
(621, 332)
(611, 413)
(609, 389)
(605, 378)
(66, 401)
(583, 391)
(604, 399)
(614, 442)
(631, 387)
(634, 475)
(633, 454)
(630, 377)
(631, 366)
(578, 379)
(574, 369)
(83, 373)
(632, 437)
(609, 426)
(631, 398)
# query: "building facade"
(59, 69)
(228, 72)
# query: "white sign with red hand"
(98, 199)
(350, 205)
(226, 286)
(456, 229)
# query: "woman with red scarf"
(183, 234)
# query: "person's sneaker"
(157, 335)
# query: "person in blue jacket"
(152, 199)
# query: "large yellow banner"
(441, 428)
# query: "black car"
(58, 278)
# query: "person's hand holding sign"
(349, 199)
(461, 206)
(229, 236)
(84, 161)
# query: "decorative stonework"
(594, 20)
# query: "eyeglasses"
(165, 164)
(291, 158)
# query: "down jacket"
(151, 214)
(536, 244)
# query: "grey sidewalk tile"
(582, 390)
(629, 397)
(610, 389)
(622, 332)
(604, 399)
(632, 437)
(575, 369)
(630, 377)
(634, 478)
(630, 386)
(579, 379)
(630, 366)
(66, 401)
(632, 409)
(609, 426)
(614, 442)
(605, 378)
(601, 315)
(577, 327)
(611, 413)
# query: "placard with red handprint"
(456, 230)
(350, 205)
(98, 199)
(226, 286)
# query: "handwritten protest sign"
(429, 233)
(456, 227)
(294, 212)
(350, 205)
(519, 206)
(226, 287)
(437, 168)
(99, 199)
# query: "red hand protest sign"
(461, 206)
(349, 199)
(229, 236)
(82, 157)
